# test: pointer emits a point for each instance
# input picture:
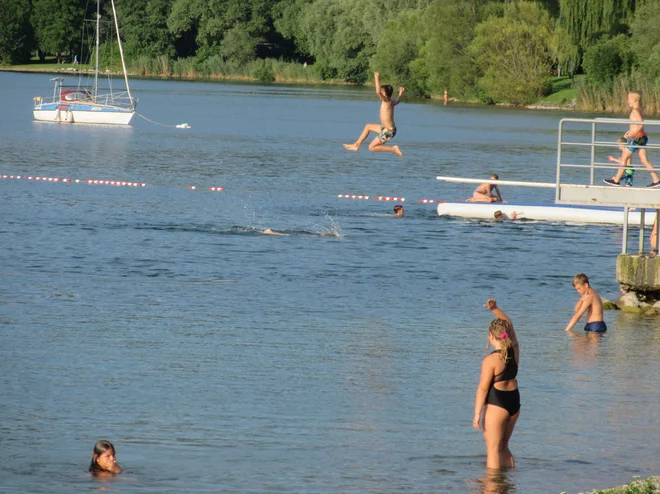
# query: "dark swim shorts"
(640, 140)
(596, 327)
(386, 134)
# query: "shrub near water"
(592, 97)
(215, 67)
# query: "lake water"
(219, 359)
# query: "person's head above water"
(498, 215)
(398, 210)
(103, 459)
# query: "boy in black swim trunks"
(591, 303)
(386, 130)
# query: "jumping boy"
(386, 130)
(591, 303)
(636, 137)
(484, 193)
(624, 176)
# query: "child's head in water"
(103, 459)
(499, 216)
(398, 210)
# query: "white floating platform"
(545, 212)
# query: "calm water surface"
(343, 357)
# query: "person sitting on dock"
(589, 303)
(624, 176)
(487, 192)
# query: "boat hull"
(545, 212)
(87, 114)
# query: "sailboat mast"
(121, 51)
(98, 44)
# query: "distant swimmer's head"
(398, 210)
(103, 459)
(387, 90)
(498, 215)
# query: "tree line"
(493, 51)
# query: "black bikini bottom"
(509, 400)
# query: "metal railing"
(597, 135)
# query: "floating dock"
(545, 212)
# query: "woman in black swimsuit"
(497, 404)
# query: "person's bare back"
(595, 303)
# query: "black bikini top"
(510, 369)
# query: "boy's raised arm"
(398, 98)
(377, 81)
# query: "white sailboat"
(77, 104)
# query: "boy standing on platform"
(591, 303)
(386, 130)
(636, 137)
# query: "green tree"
(238, 45)
(57, 25)
(645, 40)
(605, 60)
(514, 53)
(398, 52)
(586, 21)
(339, 35)
(445, 56)
(208, 21)
(333, 32)
(16, 31)
(143, 26)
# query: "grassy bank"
(266, 71)
(650, 485)
(567, 94)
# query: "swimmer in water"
(104, 463)
(398, 211)
(500, 216)
(268, 231)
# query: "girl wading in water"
(497, 404)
